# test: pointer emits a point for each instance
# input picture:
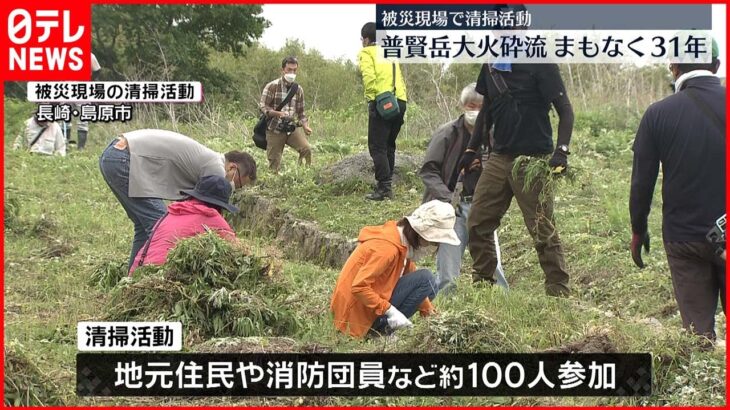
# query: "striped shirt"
(274, 93)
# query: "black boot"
(382, 192)
(82, 139)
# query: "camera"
(286, 125)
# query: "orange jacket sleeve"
(378, 262)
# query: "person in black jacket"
(518, 108)
(685, 132)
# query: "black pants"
(381, 142)
(698, 277)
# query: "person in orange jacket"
(379, 288)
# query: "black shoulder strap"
(37, 137)
(292, 90)
(393, 77)
(149, 240)
(705, 108)
(498, 81)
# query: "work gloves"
(396, 319)
(559, 161)
(637, 241)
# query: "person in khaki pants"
(521, 127)
(282, 129)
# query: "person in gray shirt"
(146, 166)
(441, 175)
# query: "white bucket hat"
(434, 221)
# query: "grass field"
(62, 223)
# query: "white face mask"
(290, 77)
(470, 117)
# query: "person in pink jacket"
(198, 213)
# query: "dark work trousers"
(698, 278)
(408, 294)
(492, 197)
(381, 143)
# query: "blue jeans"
(143, 212)
(408, 294)
(448, 257)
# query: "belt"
(467, 198)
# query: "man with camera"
(283, 129)
(685, 133)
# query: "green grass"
(64, 202)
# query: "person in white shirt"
(42, 137)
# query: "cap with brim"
(434, 222)
(214, 190)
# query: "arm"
(367, 68)
(483, 123)
(565, 119)
(266, 104)
(300, 107)
(377, 263)
(552, 89)
(19, 142)
(643, 175)
(227, 234)
(430, 172)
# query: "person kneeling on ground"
(41, 137)
(198, 213)
(379, 288)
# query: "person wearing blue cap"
(685, 133)
(199, 212)
(145, 167)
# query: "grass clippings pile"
(108, 274)
(214, 288)
(465, 331)
(25, 385)
(252, 344)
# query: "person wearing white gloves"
(379, 288)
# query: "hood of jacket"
(388, 232)
(192, 206)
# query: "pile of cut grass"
(214, 288)
(25, 385)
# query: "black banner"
(336, 374)
(544, 16)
